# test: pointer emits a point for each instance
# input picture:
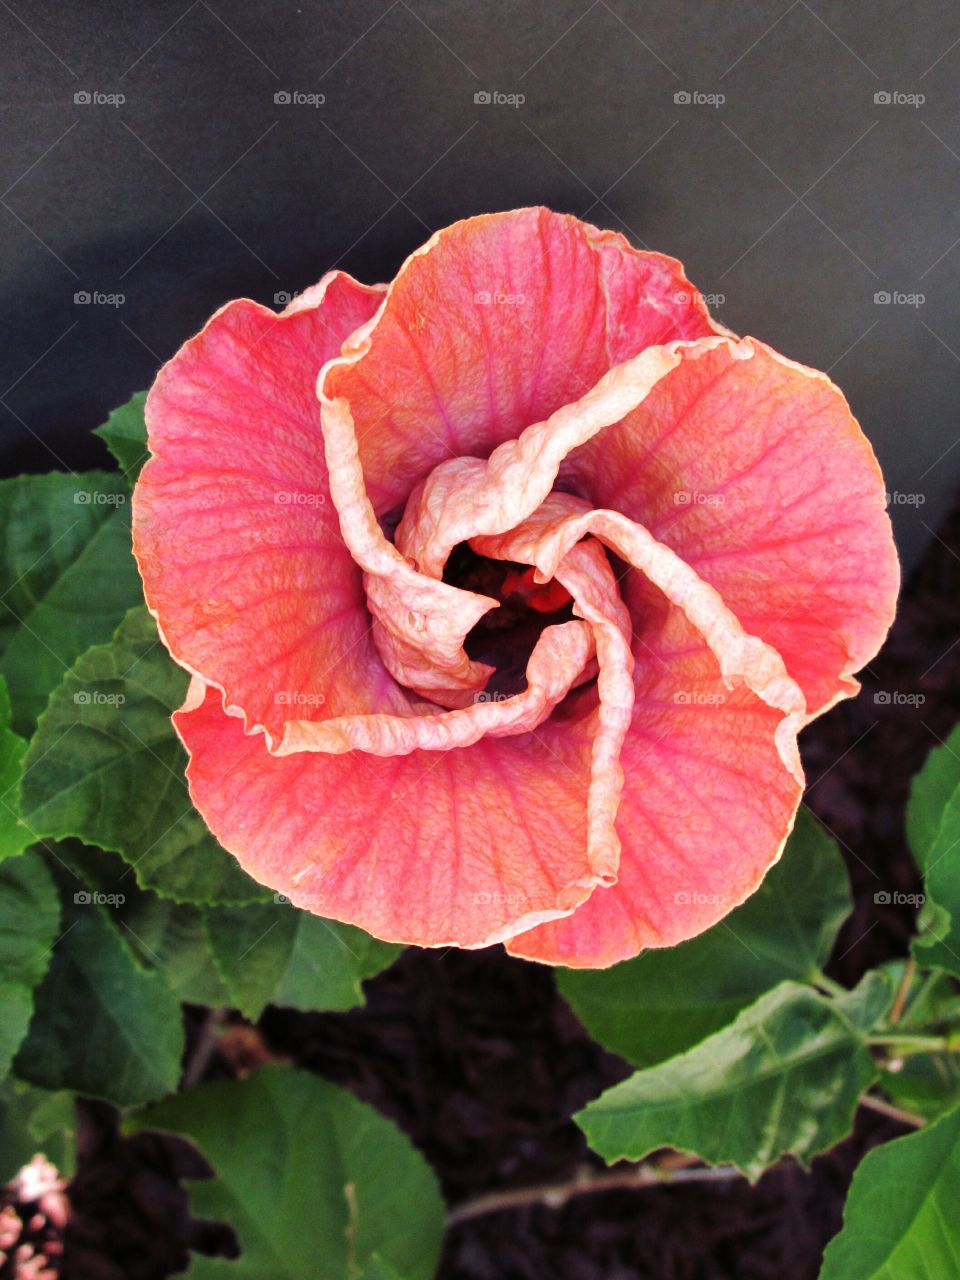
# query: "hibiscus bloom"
(506, 589)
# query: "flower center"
(504, 638)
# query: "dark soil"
(481, 1063)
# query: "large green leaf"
(929, 792)
(34, 1120)
(106, 767)
(313, 1182)
(901, 1220)
(933, 829)
(169, 937)
(276, 954)
(785, 1077)
(664, 1002)
(938, 945)
(125, 433)
(14, 836)
(67, 576)
(29, 922)
(102, 1025)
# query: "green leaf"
(29, 923)
(106, 767)
(925, 1083)
(67, 576)
(165, 936)
(313, 1182)
(34, 1120)
(14, 836)
(938, 945)
(929, 792)
(172, 938)
(102, 1025)
(664, 1002)
(900, 1221)
(868, 1004)
(125, 433)
(785, 1077)
(277, 954)
(378, 1269)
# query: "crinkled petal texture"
(709, 562)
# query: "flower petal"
(713, 776)
(497, 322)
(437, 848)
(557, 661)
(753, 469)
(706, 807)
(236, 537)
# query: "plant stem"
(885, 1108)
(829, 986)
(556, 1194)
(204, 1049)
(906, 1043)
(900, 999)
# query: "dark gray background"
(797, 199)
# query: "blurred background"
(803, 159)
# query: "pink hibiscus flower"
(506, 589)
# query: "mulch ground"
(481, 1063)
